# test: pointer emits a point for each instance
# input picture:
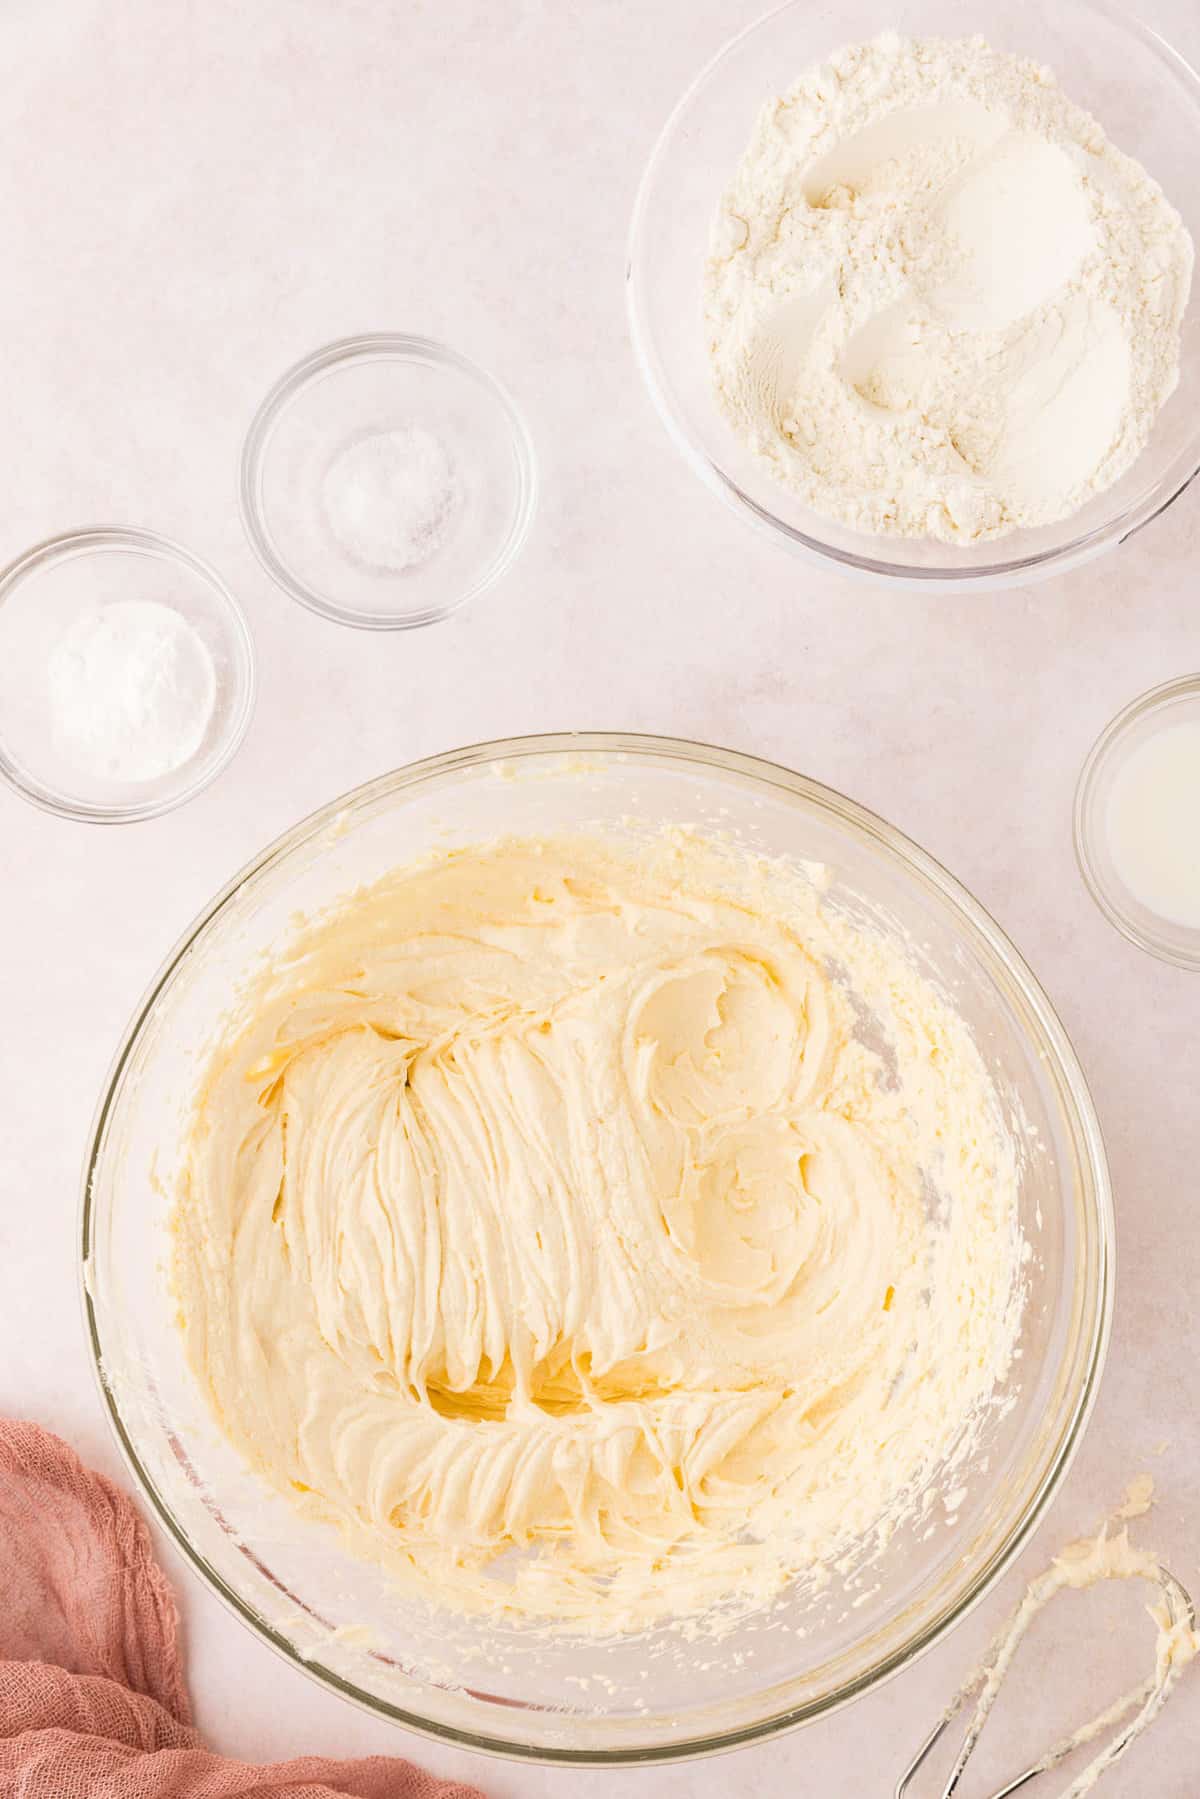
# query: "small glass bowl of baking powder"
(1121, 70)
(126, 675)
(1137, 822)
(386, 480)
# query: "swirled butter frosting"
(597, 1232)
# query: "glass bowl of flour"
(912, 291)
(719, 1103)
(386, 481)
(126, 675)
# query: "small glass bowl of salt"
(126, 675)
(386, 480)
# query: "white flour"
(940, 303)
(132, 689)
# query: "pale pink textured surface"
(93, 1703)
(193, 196)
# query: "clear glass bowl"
(1176, 702)
(1143, 93)
(370, 387)
(41, 597)
(655, 1696)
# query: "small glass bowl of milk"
(1137, 822)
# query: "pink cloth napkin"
(92, 1697)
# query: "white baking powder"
(390, 498)
(940, 302)
(132, 688)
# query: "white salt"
(132, 689)
(390, 498)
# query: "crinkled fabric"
(93, 1703)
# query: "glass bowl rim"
(397, 346)
(807, 545)
(1155, 699)
(89, 540)
(1056, 1045)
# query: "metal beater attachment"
(1145, 1701)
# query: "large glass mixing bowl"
(1144, 93)
(654, 1696)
